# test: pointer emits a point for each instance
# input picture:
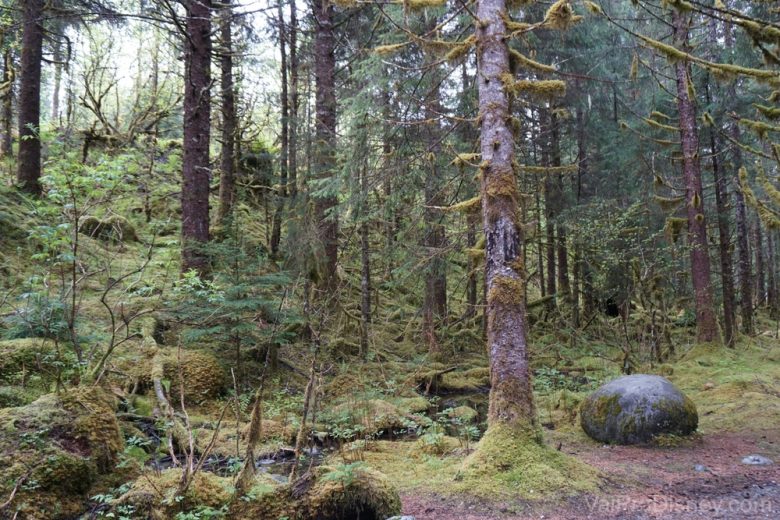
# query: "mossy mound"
(114, 228)
(464, 414)
(326, 493)
(274, 435)
(512, 462)
(27, 360)
(203, 375)
(57, 445)
(155, 496)
(11, 396)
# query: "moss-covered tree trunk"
(724, 236)
(744, 267)
(293, 144)
(227, 159)
(197, 132)
(325, 139)
(434, 237)
(511, 398)
(284, 137)
(29, 160)
(6, 139)
(758, 252)
(706, 323)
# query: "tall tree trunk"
(550, 206)
(434, 238)
(325, 138)
(724, 236)
(771, 271)
(511, 397)
(29, 162)
(293, 125)
(758, 251)
(744, 267)
(6, 139)
(55, 94)
(197, 131)
(227, 158)
(365, 257)
(276, 233)
(706, 323)
(562, 254)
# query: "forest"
(389, 259)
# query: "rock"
(57, 445)
(113, 228)
(634, 409)
(757, 460)
(700, 468)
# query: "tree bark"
(6, 139)
(227, 160)
(743, 254)
(563, 257)
(293, 129)
(325, 139)
(197, 131)
(29, 167)
(706, 323)
(771, 271)
(758, 251)
(724, 236)
(434, 237)
(276, 233)
(511, 397)
(55, 95)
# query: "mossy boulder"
(113, 228)
(155, 495)
(325, 493)
(204, 377)
(22, 360)
(57, 445)
(635, 409)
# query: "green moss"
(509, 462)
(154, 495)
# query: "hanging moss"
(561, 16)
(760, 128)
(543, 89)
(460, 49)
(385, 50)
(634, 68)
(422, 4)
(707, 119)
(774, 97)
(465, 159)
(520, 60)
(669, 203)
(548, 170)
(656, 124)
(594, 7)
(674, 228)
(768, 112)
(514, 27)
(473, 205)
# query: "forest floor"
(647, 483)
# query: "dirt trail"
(648, 483)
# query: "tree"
(195, 171)
(706, 323)
(227, 161)
(325, 201)
(29, 160)
(511, 396)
